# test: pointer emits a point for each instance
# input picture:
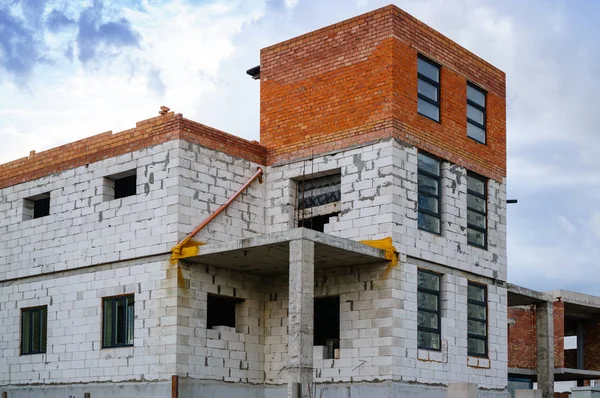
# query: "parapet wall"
(106, 145)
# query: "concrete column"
(462, 390)
(545, 349)
(300, 318)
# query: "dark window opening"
(34, 330)
(428, 88)
(477, 319)
(41, 207)
(318, 199)
(220, 311)
(476, 113)
(476, 210)
(327, 323)
(125, 186)
(429, 214)
(36, 206)
(316, 223)
(428, 310)
(118, 321)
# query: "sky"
(72, 69)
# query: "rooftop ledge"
(269, 254)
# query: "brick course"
(147, 133)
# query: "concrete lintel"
(522, 372)
(564, 374)
(582, 299)
(518, 295)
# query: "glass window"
(476, 113)
(476, 210)
(428, 310)
(34, 330)
(477, 319)
(428, 89)
(118, 321)
(429, 193)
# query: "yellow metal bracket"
(391, 253)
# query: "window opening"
(221, 311)
(476, 210)
(327, 324)
(428, 310)
(429, 193)
(317, 200)
(118, 321)
(34, 323)
(476, 113)
(120, 185)
(36, 206)
(428, 88)
(477, 319)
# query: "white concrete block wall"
(369, 326)
(178, 185)
(452, 363)
(223, 353)
(84, 229)
(379, 199)
(74, 334)
(207, 179)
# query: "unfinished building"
(369, 261)
(540, 327)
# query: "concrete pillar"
(300, 318)
(462, 390)
(545, 349)
(528, 394)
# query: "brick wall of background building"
(356, 82)
(522, 350)
(522, 347)
(558, 313)
(592, 345)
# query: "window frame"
(483, 304)
(115, 299)
(480, 108)
(420, 329)
(432, 82)
(484, 180)
(43, 325)
(437, 178)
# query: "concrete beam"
(545, 349)
(518, 295)
(301, 318)
(582, 299)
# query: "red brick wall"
(562, 395)
(559, 334)
(522, 347)
(106, 145)
(591, 343)
(356, 82)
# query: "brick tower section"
(355, 82)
